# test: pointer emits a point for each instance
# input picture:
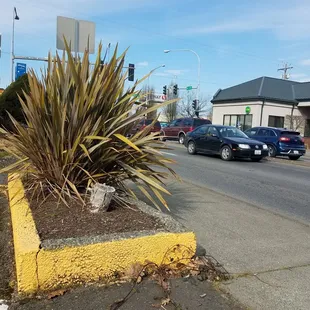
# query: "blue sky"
(237, 40)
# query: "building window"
(243, 121)
(276, 121)
(226, 121)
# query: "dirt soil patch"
(55, 220)
(6, 250)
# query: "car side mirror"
(214, 135)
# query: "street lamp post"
(199, 65)
(15, 17)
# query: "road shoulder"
(249, 241)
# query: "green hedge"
(9, 101)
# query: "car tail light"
(303, 140)
(284, 139)
(191, 129)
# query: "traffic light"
(175, 89)
(131, 72)
(165, 90)
(194, 104)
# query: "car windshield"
(232, 132)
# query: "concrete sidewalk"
(268, 254)
(188, 294)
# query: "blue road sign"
(20, 70)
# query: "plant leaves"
(127, 141)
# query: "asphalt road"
(279, 187)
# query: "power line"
(240, 53)
(161, 34)
(182, 79)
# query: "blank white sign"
(80, 34)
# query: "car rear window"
(187, 122)
(199, 122)
(291, 133)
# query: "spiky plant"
(77, 119)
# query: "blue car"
(280, 141)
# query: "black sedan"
(226, 141)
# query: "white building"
(264, 101)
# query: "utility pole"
(285, 75)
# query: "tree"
(297, 122)
(146, 96)
(171, 111)
(9, 101)
(186, 105)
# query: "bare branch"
(171, 111)
(147, 92)
(186, 108)
(297, 122)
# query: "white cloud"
(170, 73)
(305, 62)
(162, 74)
(288, 20)
(303, 80)
(297, 75)
(175, 72)
(143, 64)
(39, 16)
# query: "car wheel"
(226, 153)
(272, 150)
(294, 157)
(181, 138)
(257, 159)
(191, 147)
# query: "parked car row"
(256, 143)
(178, 128)
(226, 141)
(200, 136)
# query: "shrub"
(9, 101)
(77, 119)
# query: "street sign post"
(20, 70)
(189, 87)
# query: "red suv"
(178, 128)
(141, 125)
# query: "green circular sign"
(247, 110)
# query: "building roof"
(286, 91)
(302, 91)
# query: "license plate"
(257, 152)
(296, 152)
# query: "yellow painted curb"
(45, 268)
(25, 237)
